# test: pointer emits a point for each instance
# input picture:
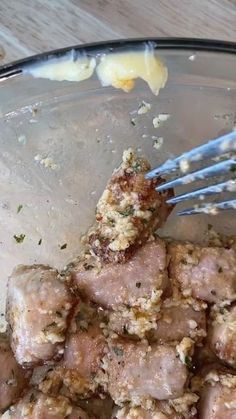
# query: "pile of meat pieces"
(146, 325)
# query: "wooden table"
(29, 27)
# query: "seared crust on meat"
(128, 212)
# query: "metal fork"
(216, 148)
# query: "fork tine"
(218, 146)
(229, 185)
(209, 208)
(214, 170)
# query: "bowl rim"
(15, 68)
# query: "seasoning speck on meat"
(128, 212)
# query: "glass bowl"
(60, 142)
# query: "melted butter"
(121, 69)
(64, 69)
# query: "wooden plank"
(188, 18)
(32, 27)
(40, 26)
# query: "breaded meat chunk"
(137, 371)
(38, 305)
(85, 343)
(222, 334)
(128, 212)
(131, 283)
(84, 348)
(207, 273)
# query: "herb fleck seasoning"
(20, 238)
(187, 361)
(128, 211)
(118, 351)
(19, 208)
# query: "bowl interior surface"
(60, 142)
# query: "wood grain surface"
(32, 26)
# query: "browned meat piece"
(222, 334)
(132, 283)
(84, 346)
(218, 396)
(176, 320)
(38, 304)
(36, 405)
(128, 212)
(208, 273)
(85, 343)
(136, 371)
(13, 379)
